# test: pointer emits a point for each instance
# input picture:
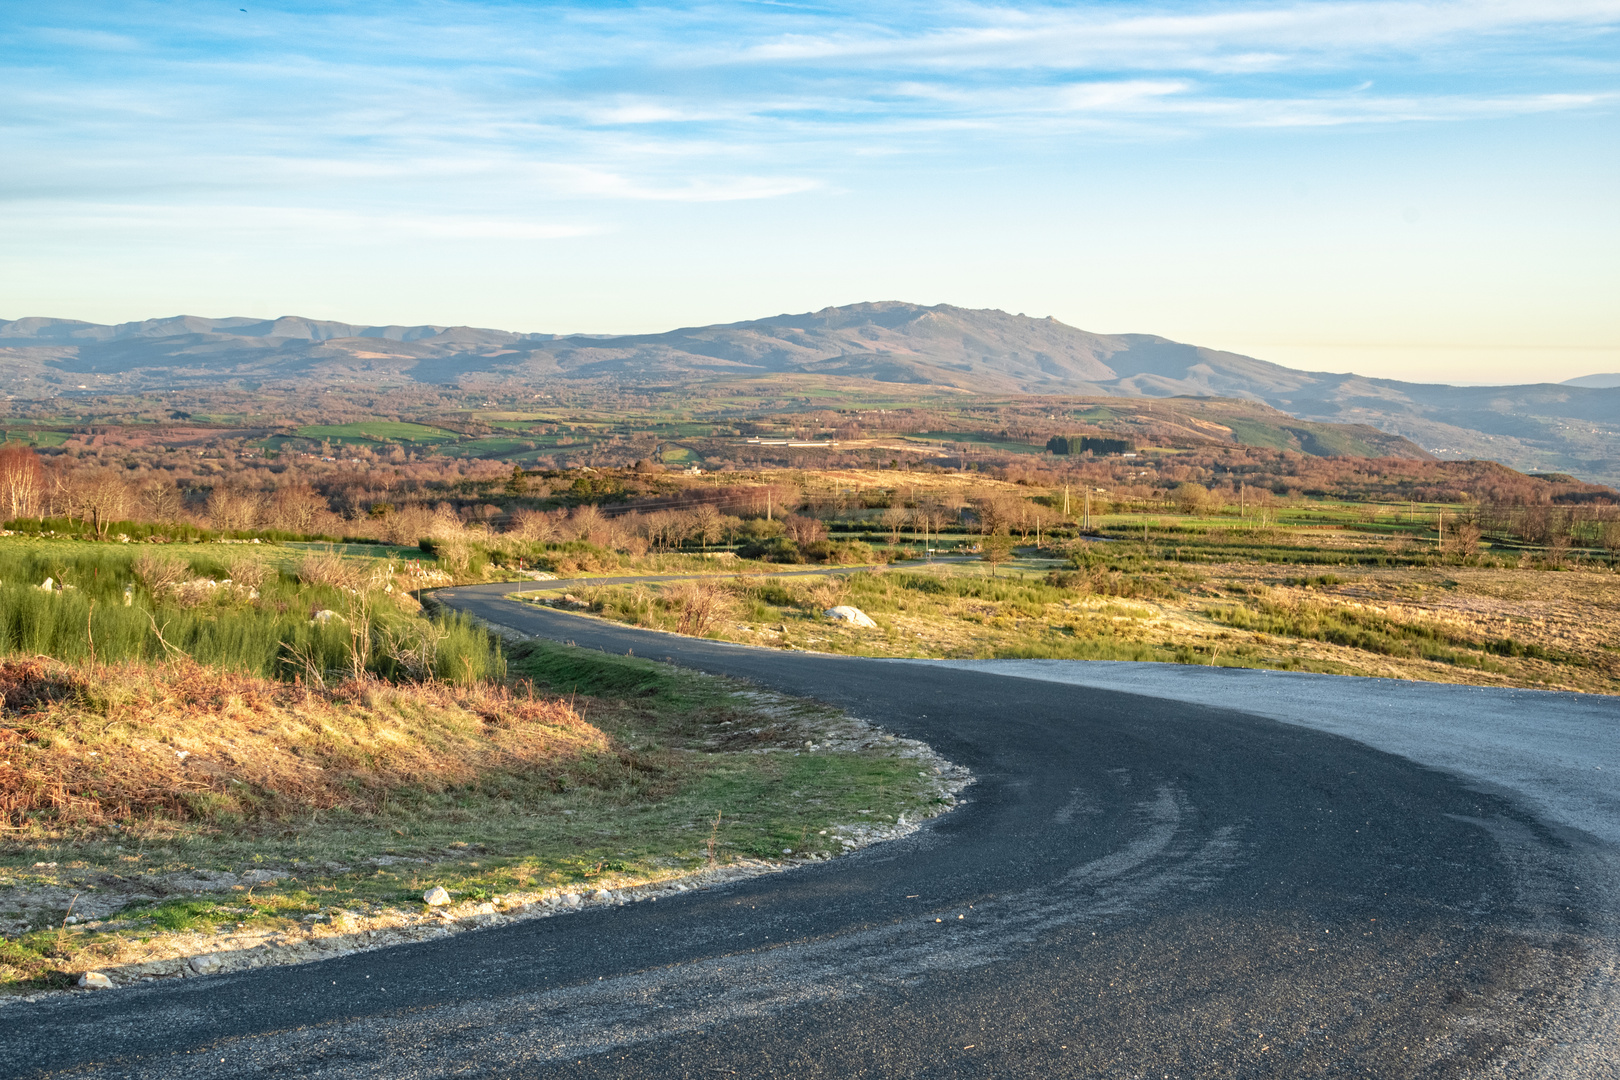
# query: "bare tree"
(297, 508)
(996, 511)
(159, 500)
(22, 480)
(537, 525)
(804, 530)
(707, 525)
(894, 519)
(100, 498)
(1609, 532)
(231, 508)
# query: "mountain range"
(1568, 427)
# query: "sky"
(1416, 189)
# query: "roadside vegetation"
(204, 749)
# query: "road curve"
(1135, 887)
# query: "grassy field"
(376, 431)
(1349, 600)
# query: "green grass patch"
(377, 431)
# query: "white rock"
(570, 899)
(601, 895)
(436, 897)
(204, 965)
(95, 980)
(326, 615)
(852, 615)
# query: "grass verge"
(172, 812)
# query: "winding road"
(1158, 873)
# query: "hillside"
(1563, 427)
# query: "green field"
(976, 438)
(374, 431)
(34, 437)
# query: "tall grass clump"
(111, 606)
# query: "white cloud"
(1263, 37)
(244, 220)
(601, 184)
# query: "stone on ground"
(436, 897)
(852, 615)
(95, 980)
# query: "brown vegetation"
(182, 741)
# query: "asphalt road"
(1136, 887)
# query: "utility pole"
(1065, 500)
(1088, 507)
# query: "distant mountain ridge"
(1606, 381)
(1557, 427)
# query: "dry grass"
(1495, 626)
(343, 806)
(185, 742)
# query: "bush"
(777, 550)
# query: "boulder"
(95, 980)
(436, 897)
(852, 615)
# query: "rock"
(569, 899)
(436, 897)
(95, 980)
(263, 877)
(326, 615)
(852, 615)
(205, 965)
(203, 881)
(601, 895)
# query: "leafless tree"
(22, 480)
(159, 500)
(804, 530)
(894, 519)
(100, 498)
(231, 508)
(707, 525)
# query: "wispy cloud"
(228, 221)
(493, 106)
(1232, 37)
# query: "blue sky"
(1416, 189)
